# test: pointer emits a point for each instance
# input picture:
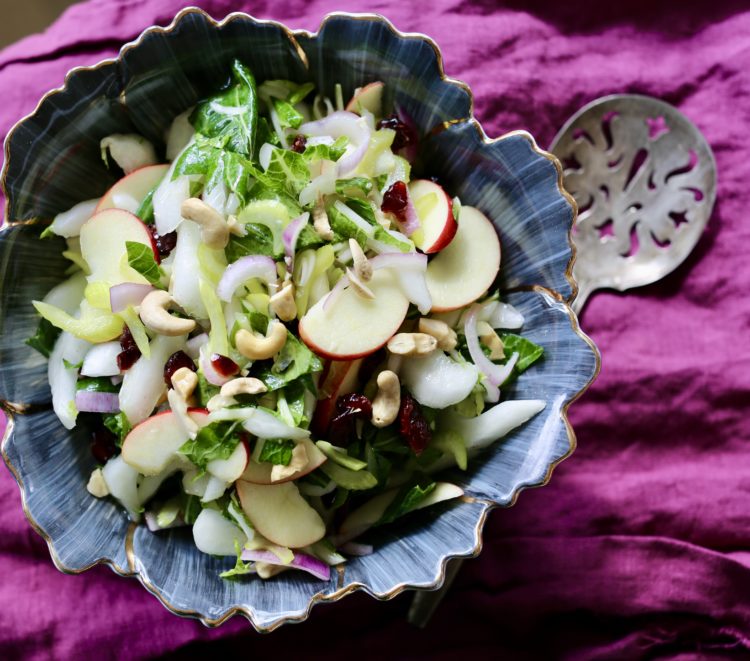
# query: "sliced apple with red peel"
(281, 514)
(151, 445)
(340, 377)
(232, 467)
(369, 97)
(352, 326)
(466, 269)
(103, 239)
(128, 193)
(260, 473)
(437, 226)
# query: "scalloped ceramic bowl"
(52, 161)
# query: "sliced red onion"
(244, 269)
(97, 402)
(357, 549)
(410, 151)
(194, 344)
(291, 234)
(343, 123)
(213, 376)
(496, 374)
(302, 561)
(126, 294)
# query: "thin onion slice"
(244, 269)
(343, 123)
(126, 294)
(302, 561)
(97, 402)
(291, 234)
(496, 374)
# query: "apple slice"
(232, 467)
(260, 473)
(103, 238)
(340, 377)
(151, 445)
(435, 211)
(466, 269)
(281, 514)
(352, 326)
(128, 193)
(369, 97)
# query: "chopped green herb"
(277, 451)
(45, 337)
(214, 441)
(141, 258)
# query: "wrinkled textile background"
(640, 546)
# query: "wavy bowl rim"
(11, 409)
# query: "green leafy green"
(294, 400)
(292, 362)
(218, 116)
(331, 152)
(277, 451)
(45, 337)
(340, 456)
(289, 117)
(528, 351)
(381, 234)
(240, 568)
(205, 390)
(352, 186)
(146, 209)
(257, 241)
(214, 441)
(473, 405)
(406, 500)
(452, 443)
(96, 384)
(191, 508)
(308, 238)
(287, 171)
(118, 424)
(343, 228)
(141, 258)
(300, 92)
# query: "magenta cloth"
(640, 546)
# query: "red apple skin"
(339, 378)
(449, 223)
(332, 356)
(148, 169)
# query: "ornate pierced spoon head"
(644, 178)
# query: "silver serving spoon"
(644, 179)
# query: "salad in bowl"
(285, 335)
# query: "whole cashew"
(96, 485)
(184, 381)
(360, 287)
(246, 385)
(442, 332)
(320, 221)
(412, 344)
(491, 340)
(282, 303)
(260, 348)
(387, 402)
(214, 230)
(298, 462)
(362, 266)
(154, 315)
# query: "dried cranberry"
(165, 243)
(223, 365)
(299, 143)
(395, 200)
(177, 360)
(405, 134)
(412, 425)
(130, 351)
(348, 408)
(103, 445)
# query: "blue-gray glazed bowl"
(52, 161)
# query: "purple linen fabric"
(640, 546)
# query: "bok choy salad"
(279, 336)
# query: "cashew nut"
(320, 221)
(412, 344)
(360, 287)
(260, 348)
(154, 315)
(184, 381)
(219, 402)
(129, 150)
(243, 386)
(282, 303)
(235, 227)
(491, 340)
(387, 402)
(442, 332)
(362, 266)
(214, 229)
(97, 486)
(297, 463)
